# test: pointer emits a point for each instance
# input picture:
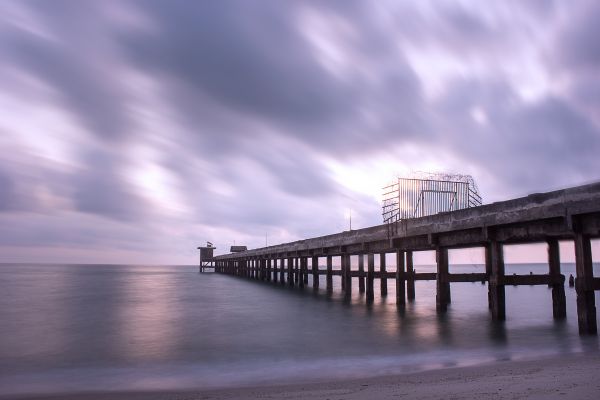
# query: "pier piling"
(496, 284)
(370, 295)
(383, 270)
(584, 285)
(442, 297)
(361, 273)
(400, 279)
(557, 281)
(410, 277)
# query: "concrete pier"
(565, 215)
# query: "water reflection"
(65, 326)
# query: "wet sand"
(573, 376)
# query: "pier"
(569, 214)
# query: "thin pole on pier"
(442, 297)
(586, 304)
(383, 271)
(559, 304)
(410, 282)
(315, 272)
(361, 273)
(370, 295)
(329, 273)
(400, 279)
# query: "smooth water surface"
(73, 328)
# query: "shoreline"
(573, 375)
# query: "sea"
(86, 328)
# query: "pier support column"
(361, 273)
(329, 276)
(410, 277)
(442, 298)
(383, 270)
(347, 275)
(302, 272)
(400, 279)
(297, 269)
(282, 271)
(496, 286)
(370, 295)
(268, 269)
(559, 302)
(586, 304)
(275, 274)
(343, 272)
(305, 271)
(290, 271)
(315, 272)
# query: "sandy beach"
(573, 376)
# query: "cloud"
(186, 121)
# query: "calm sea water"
(68, 328)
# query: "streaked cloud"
(147, 127)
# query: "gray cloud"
(255, 111)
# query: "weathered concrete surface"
(532, 218)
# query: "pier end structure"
(571, 214)
(207, 259)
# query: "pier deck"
(569, 214)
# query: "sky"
(134, 131)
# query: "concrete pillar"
(488, 273)
(290, 269)
(329, 276)
(586, 304)
(347, 275)
(282, 271)
(559, 302)
(400, 279)
(370, 295)
(303, 263)
(297, 269)
(361, 273)
(383, 270)
(410, 277)
(442, 297)
(315, 272)
(343, 273)
(275, 274)
(305, 271)
(268, 269)
(496, 288)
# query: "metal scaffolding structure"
(425, 194)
